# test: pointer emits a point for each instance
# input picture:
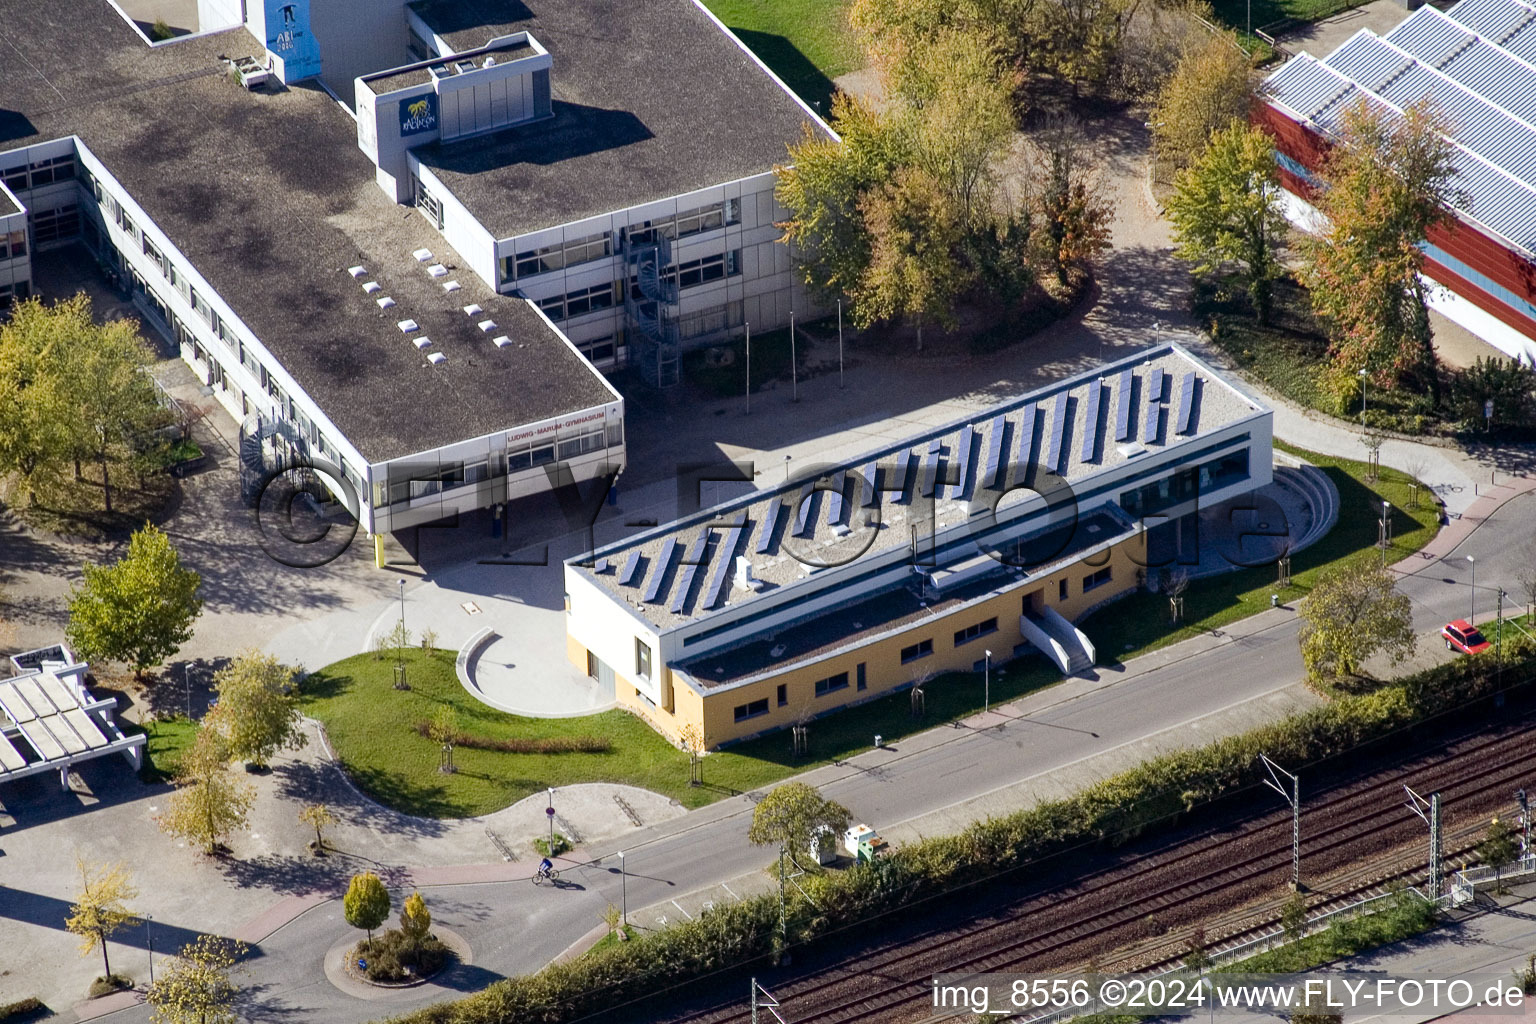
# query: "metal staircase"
(652, 313)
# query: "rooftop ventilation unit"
(407, 326)
(473, 309)
(502, 341)
(372, 286)
(386, 302)
(450, 286)
(357, 271)
(437, 270)
(436, 357)
(422, 255)
(421, 342)
(487, 325)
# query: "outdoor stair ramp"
(1067, 646)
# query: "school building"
(1475, 63)
(990, 535)
(402, 241)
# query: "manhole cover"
(470, 608)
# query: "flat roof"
(420, 73)
(684, 571)
(650, 100)
(7, 204)
(1476, 63)
(269, 197)
(894, 607)
(48, 719)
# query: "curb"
(581, 945)
(1451, 536)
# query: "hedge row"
(1113, 811)
(22, 1008)
(526, 745)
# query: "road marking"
(680, 909)
(728, 889)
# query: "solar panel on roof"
(1186, 419)
(898, 483)
(1154, 421)
(663, 563)
(835, 500)
(871, 496)
(968, 441)
(631, 570)
(930, 475)
(725, 555)
(805, 523)
(1155, 382)
(690, 570)
(770, 523)
(1026, 434)
(1053, 450)
(995, 461)
(1123, 405)
(1092, 422)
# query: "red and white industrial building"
(1476, 64)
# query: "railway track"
(1161, 889)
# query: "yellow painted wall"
(882, 658)
(576, 653)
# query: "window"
(15, 178)
(588, 442)
(733, 211)
(708, 268)
(556, 257)
(153, 252)
(705, 218)
(13, 244)
(832, 684)
(969, 633)
(578, 302)
(859, 677)
(1061, 589)
(643, 662)
(430, 206)
(591, 665)
(783, 694)
(1097, 579)
(918, 650)
(55, 225)
(599, 350)
(48, 172)
(752, 710)
(708, 321)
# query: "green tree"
(915, 231)
(1353, 612)
(1384, 186)
(1498, 849)
(1079, 40)
(35, 404)
(101, 908)
(208, 803)
(318, 817)
(107, 374)
(415, 920)
(196, 987)
(1293, 917)
(257, 711)
(1226, 209)
(366, 904)
(789, 815)
(139, 610)
(1508, 383)
(1209, 89)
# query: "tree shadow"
(309, 782)
(302, 875)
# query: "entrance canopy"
(51, 721)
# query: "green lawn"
(1141, 620)
(807, 43)
(1266, 12)
(167, 739)
(721, 370)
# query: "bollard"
(878, 741)
(1274, 600)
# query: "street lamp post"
(1473, 589)
(840, 343)
(551, 817)
(1386, 521)
(186, 682)
(986, 699)
(623, 892)
(1363, 382)
(400, 683)
(149, 939)
(749, 367)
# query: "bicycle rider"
(546, 866)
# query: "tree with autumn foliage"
(1072, 215)
(1209, 89)
(1385, 183)
(1226, 212)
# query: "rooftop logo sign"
(418, 115)
(289, 37)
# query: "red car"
(1462, 636)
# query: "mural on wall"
(418, 114)
(289, 37)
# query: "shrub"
(395, 956)
(161, 31)
(540, 745)
(107, 985)
(22, 1008)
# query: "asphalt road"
(515, 927)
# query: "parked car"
(1462, 636)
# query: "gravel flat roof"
(269, 197)
(651, 100)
